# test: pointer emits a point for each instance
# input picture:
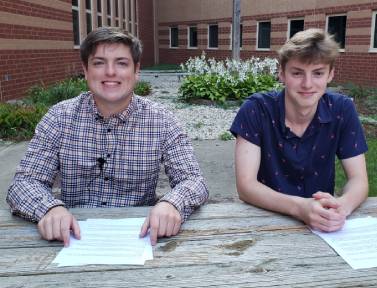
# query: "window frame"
(209, 34)
(170, 37)
(290, 26)
(345, 29)
(189, 46)
(76, 8)
(373, 34)
(257, 40)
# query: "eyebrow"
(104, 58)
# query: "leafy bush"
(226, 136)
(143, 88)
(230, 80)
(18, 122)
(51, 95)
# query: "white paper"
(356, 242)
(107, 241)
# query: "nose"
(110, 69)
(307, 81)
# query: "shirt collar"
(122, 116)
(322, 115)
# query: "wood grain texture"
(222, 245)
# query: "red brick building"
(39, 39)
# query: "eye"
(296, 73)
(319, 73)
(123, 63)
(97, 63)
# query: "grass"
(163, 67)
(371, 157)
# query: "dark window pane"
(296, 26)
(375, 32)
(129, 9)
(99, 7)
(193, 37)
(108, 7)
(213, 36)
(174, 37)
(108, 21)
(75, 3)
(117, 23)
(99, 20)
(76, 29)
(337, 27)
(241, 31)
(264, 34)
(88, 4)
(116, 8)
(88, 22)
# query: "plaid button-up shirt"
(111, 162)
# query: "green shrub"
(143, 88)
(18, 122)
(220, 81)
(225, 136)
(51, 95)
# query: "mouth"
(111, 83)
(306, 94)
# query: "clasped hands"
(323, 212)
(163, 220)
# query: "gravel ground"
(202, 122)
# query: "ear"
(281, 75)
(331, 75)
(85, 70)
(137, 71)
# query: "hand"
(163, 220)
(57, 225)
(323, 212)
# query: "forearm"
(30, 198)
(263, 196)
(353, 194)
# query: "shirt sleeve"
(352, 141)
(189, 190)
(30, 194)
(247, 122)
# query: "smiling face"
(111, 75)
(305, 83)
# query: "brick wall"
(146, 31)
(356, 64)
(36, 45)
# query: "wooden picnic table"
(221, 245)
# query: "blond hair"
(310, 46)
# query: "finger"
(169, 227)
(65, 226)
(320, 194)
(144, 228)
(163, 226)
(153, 229)
(76, 228)
(47, 226)
(176, 228)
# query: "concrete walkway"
(215, 158)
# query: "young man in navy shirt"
(287, 141)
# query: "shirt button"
(108, 130)
(108, 155)
(103, 203)
(106, 178)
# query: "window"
(116, 13)
(108, 13)
(295, 25)
(264, 35)
(336, 25)
(241, 31)
(99, 13)
(173, 37)
(213, 36)
(374, 32)
(75, 21)
(193, 37)
(88, 14)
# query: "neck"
(298, 119)
(108, 109)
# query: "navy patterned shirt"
(112, 162)
(303, 165)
